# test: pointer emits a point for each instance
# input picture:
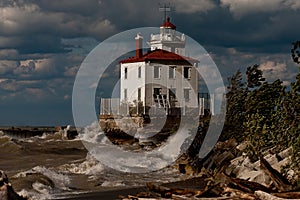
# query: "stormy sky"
(43, 43)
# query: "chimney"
(139, 45)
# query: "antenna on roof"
(165, 9)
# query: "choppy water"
(52, 167)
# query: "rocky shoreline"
(227, 174)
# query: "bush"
(264, 114)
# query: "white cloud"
(36, 68)
(274, 66)
(271, 66)
(44, 66)
(34, 90)
(193, 6)
(240, 8)
(26, 95)
(29, 19)
(71, 71)
(8, 54)
(8, 85)
(36, 93)
(26, 69)
(2, 80)
(48, 67)
(7, 66)
(277, 70)
(12, 85)
(294, 4)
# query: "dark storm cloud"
(30, 28)
(43, 42)
(39, 26)
(265, 32)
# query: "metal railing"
(113, 106)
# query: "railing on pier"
(110, 106)
(113, 106)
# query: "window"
(125, 94)
(187, 72)
(186, 94)
(156, 72)
(156, 91)
(125, 73)
(139, 94)
(171, 72)
(139, 72)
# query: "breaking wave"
(7, 144)
(93, 135)
(91, 166)
(42, 183)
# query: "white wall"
(132, 83)
(179, 83)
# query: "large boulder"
(242, 167)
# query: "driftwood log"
(266, 196)
(222, 186)
(235, 193)
(280, 182)
(168, 192)
(288, 195)
(246, 186)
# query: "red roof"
(159, 55)
(168, 24)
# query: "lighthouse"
(168, 39)
(163, 77)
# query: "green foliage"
(235, 83)
(254, 76)
(291, 107)
(264, 114)
(236, 96)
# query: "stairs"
(161, 101)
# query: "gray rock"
(242, 167)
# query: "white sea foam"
(93, 134)
(61, 181)
(57, 136)
(34, 195)
(7, 144)
(90, 166)
(39, 192)
(41, 188)
(113, 184)
(4, 139)
(117, 158)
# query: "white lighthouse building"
(162, 77)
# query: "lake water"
(53, 167)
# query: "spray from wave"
(52, 166)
